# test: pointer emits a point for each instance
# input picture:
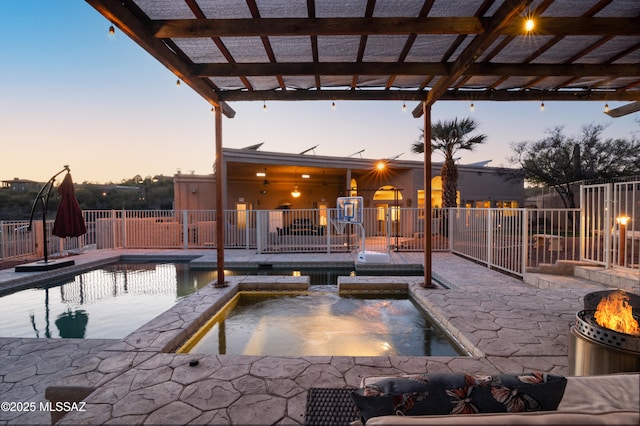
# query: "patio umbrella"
(69, 221)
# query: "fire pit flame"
(615, 313)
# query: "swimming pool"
(320, 323)
(114, 300)
(107, 302)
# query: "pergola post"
(219, 200)
(426, 109)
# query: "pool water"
(105, 303)
(114, 300)
(321, 324)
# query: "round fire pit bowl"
(587, 326)
(594, 349)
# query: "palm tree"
(449, 137)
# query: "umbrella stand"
(43, 198)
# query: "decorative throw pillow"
(453, 393)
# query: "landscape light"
(622, 220)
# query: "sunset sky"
(69, 94)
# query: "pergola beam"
(136, 29)
(256, 27)
(508, 11)
(411, 68)
(418, 96)
(259, 27)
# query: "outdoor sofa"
(589, 400)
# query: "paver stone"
(252, 409)
(175, 413)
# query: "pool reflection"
(323, 324)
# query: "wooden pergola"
(417, 51)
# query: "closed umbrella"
(69, 221)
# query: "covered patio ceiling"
(402, 50)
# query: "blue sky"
(71, 95)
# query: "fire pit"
(605, 338)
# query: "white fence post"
(260, 217)
(608, 206)
(185, 229)
(525, 240)
(489, 237)
(113, 228)
(2, 240)
(123, 214)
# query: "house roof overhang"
(422, 50)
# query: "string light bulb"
(112, 30)
(178, 83)
(404, 107)
(264, 106)
(472, 107)
(333, 105)
(606, 107)
(542, 106)
(529, 25)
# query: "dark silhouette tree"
(560, 161)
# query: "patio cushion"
(457, 393)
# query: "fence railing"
(490, 236)
(511, 240)
(611, 224)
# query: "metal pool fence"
(510, 240)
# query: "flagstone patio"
(509, 326)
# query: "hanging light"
(404, 107)
(542, 106)
(178, 83)
(295, 193)
(529, 24)
(264, 106)
(112, 30)
(472, 107)
(606, 107)
(264, 175)
(333, 105)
